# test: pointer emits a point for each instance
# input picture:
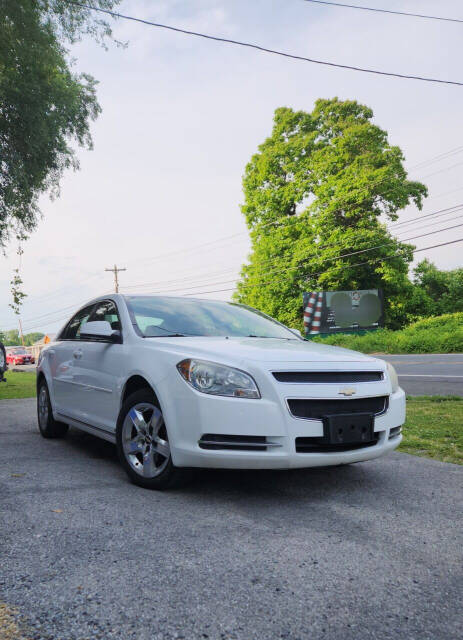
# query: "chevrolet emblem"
(348, 391)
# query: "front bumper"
(190, 415)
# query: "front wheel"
(48, 426)
(143, 443)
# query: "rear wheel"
(48, 426)
(143, 443)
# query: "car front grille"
(218, 441)
(322, 377)
(316, 409)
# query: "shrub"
(442, 334)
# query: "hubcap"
(43, 407)
(144, 440)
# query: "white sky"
(182, 116)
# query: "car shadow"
(91, 446)
(318, 482)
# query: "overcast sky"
(182, 116)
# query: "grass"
(18, 385)
(443, 334)
(434, 428)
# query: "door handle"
(77, 354)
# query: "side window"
(107, 310)
(72, 331)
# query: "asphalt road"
(429, 374)
(368, 551)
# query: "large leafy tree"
(44, 106)
(318, 194)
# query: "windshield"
(18, 350)
(159, 316)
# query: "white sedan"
(178, 383)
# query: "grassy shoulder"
(18, 385)
(434, 428)
(443, 334)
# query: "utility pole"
(116, 270)
(21, 332)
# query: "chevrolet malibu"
(182, 382)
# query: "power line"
(190, 249)
(438, 213)
(266, 264)
(377, 10)
(68, 308)
(424, 226)
(359, 264)
(37, 326)
(219, 241)
(434, 173)
(250, 45)
(329, 259)
(446, 193)
(380, 259)
(441, 156)
(286, 219)
(269, 263)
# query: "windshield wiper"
(270, 337)
(169, 335)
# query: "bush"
(443, 334)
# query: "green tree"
(435, 292)
(31, 338)
(44, 106)
(322, 186)
(11, 337)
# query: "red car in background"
(18, 355)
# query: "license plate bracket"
(349, 428)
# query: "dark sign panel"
(337, 311)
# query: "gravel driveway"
(373, 550)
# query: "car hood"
(260, 349)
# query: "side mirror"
(100, 329)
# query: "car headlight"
(218, 379)
(392, 377)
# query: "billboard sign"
(338, 311)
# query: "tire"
(48, 426)
(143, 443)
(3, 364)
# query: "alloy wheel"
(144, 440)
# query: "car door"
(101, 370)
(64, 363)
